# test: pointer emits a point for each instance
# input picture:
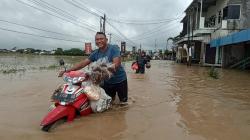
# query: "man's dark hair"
(101, 33)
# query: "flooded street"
(171, 101)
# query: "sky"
(51, 24)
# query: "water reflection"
(108, 125)
(170, 101)
(215, 109)
(16, 63)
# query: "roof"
(242, 36)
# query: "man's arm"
(117, 62)
(80, 65)
(77, 66)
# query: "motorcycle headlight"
(75, 80)
(69, 80)
(81, 78)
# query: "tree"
(166, 52)
(59, 51)
(20, 51)
(74, 51)
(30, 50)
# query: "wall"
(232, 25)
(219, 33)
(233, 54)
(245, 14)
(213, 10)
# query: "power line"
(121, 33)
(32, 27)
(76, 4)
(63, 12)
(59, 11)
(84, 3)
(143, 22)
(152, 31)
(150, 35)
(54, 15)
(19, 32)
(148, 20)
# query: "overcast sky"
(50, 24)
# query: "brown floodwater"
(171, 101)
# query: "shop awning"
(234, 38)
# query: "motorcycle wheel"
(53, 125)
(46, 128)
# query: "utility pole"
(155, 46)
(140, 50)
(166, 51)
(109, 37)
(167, 45)
(102, 23)
(189, 44)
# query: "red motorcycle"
(72, 98)
(69, 100)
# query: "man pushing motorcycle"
(118, 81)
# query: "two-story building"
(217, 31)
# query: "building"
(217, 31)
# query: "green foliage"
(166, 52)
(20, 51)
(71, 52)
(30, 50)
(213, 73)
(59, 51)
(48, 67)
(12, 70)
(74, 52)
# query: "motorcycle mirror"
(61, 62)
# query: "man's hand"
(112, 68)
(61, 73)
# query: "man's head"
(143, 53)
(101, 40)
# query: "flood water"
(171, 101)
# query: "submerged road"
(170, 101)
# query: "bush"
(213, 73)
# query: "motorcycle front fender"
(58, 113)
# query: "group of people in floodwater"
(142, 61)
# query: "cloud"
(73, 22)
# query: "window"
(210, 22)
(234, 12)
(225, 12)
(231, 12)
(219, 16)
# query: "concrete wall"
(219, 33)
(232, 25)
(234, 1)
(238, 51)
(233, 54)
(245, 13)
(214, 10)
(244, 21)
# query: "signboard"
(123, 47)
(88, 48)
(139, 51)
(133, 49)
